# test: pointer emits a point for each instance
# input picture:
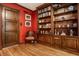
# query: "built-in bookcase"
(65, 19)
(44, 19)
(58, 18)
(64, 26)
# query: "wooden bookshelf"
(65, 19)
(44, 18)
(61, 5)
(58, 16)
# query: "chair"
(31, 37)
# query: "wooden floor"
(33, 50)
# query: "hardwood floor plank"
(37, 51)
(26, 51)
(33, 50)
(7, 52)
(55, 51)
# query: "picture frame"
(28, 23)
(27, 17)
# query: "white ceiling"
(31, 6)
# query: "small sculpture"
(63, 33)
(71, 32)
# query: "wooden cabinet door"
(41, 38)
(57, 41)
(52, 40)
(71, 42)
(47, 39)
(10, 26)
(77, 43)
(1, 26)
(64, 44)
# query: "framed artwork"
(27, 17)
(28, 23)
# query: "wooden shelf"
(45, 17)
(65, 28)
(44, 12)
(65, 20)
(45, 23)
(45, 28)
(64, 6)
(65, 13)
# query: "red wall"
(34, 24)
(22, 12)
